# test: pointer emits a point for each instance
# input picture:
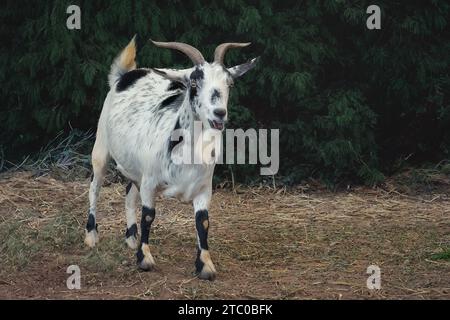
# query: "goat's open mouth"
(216, 124)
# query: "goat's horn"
(219, 54)
(190, 51)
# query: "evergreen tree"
(349, 102)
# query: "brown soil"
(266, 244)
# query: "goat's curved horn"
(219, 54)
(190, 51)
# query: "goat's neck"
(186, 116)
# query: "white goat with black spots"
(139, 115)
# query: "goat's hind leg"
(100, 157)
(145, 259)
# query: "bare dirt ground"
(266, 244)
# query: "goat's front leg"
(145, 259)
(203, 265)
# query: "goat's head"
(208, 84)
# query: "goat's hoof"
(205, 267)
(132, 242)
(146, 264)
(207, 274)
(145, 259)
(91, 238)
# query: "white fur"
(135, 131)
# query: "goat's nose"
(220, 112)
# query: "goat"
(141, 110)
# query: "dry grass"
(266, 243)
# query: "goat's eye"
(193, 84)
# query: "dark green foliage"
(350, 103)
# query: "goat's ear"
(241, 69)
(172, 75)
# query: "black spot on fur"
(130, 78)
(131, 231)
(175, 85)
(215, 95)
(128, 188)
(92, 177)
(192, 93)
(91, 225)
(177, 125)
(170, 101)
(197, 74)
(200, 217)
(172, 143)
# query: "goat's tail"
(123, 63)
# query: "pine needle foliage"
(351, 103)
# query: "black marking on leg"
(198, 263)
(130, 78)
(128, 188)
(148, 215)
(91, 225)
(200, 217)
(131, 231)
(140, 255)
